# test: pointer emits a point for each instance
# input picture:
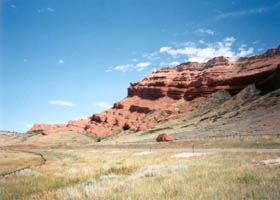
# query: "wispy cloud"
(243, 52)
(123, 68)
(151, 56)
(240, 13)
(129, 67)
(134, 60)
(201, 41)
(61, 103)
(142, 65)
(60, 61)
(103, 105)
(25, 60)
(13, 6)
(202, 54)
(207, 31)
(28, 125)
(50, 9)
(110, 69)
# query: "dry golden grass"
(81, 174)
(67, 138)
(224, 143)
(14, 160)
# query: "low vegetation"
(35, 132)
(14, 160)
(89, 174)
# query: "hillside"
(188, 90)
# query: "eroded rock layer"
(170, 91)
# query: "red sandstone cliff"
(169, 91)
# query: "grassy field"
(14, 160)
(224, 143)
(86, 174)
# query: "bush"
(35, 132)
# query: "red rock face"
(160, 96)
(191, 80)
(49, 128)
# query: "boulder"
(164, 138)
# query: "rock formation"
(170, 91)
(164, 138)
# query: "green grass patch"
(35, 132)
(120, 170)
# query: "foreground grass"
(83, 174)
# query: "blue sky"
(67, 59)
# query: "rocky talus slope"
(172, 91)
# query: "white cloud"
(42, 10)
(28, 125)
(50, 9)
(109, 69)
(142, 65)
(164, 49)
(151, 56)
(221, 48)
(61, 103)
(207, 31)
(201, 41)
(167, 64)
(123, 68)
(240, 13)
(13, 6)
(25, 60)
(103, 105)
(243, 52)
(60, 61)
(129, 67)
(229, 39)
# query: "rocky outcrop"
(191, 80)
(49, 128)
(139, 109)
(77, 125)
(170, 91)
(164, 138)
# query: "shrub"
(35, 132)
